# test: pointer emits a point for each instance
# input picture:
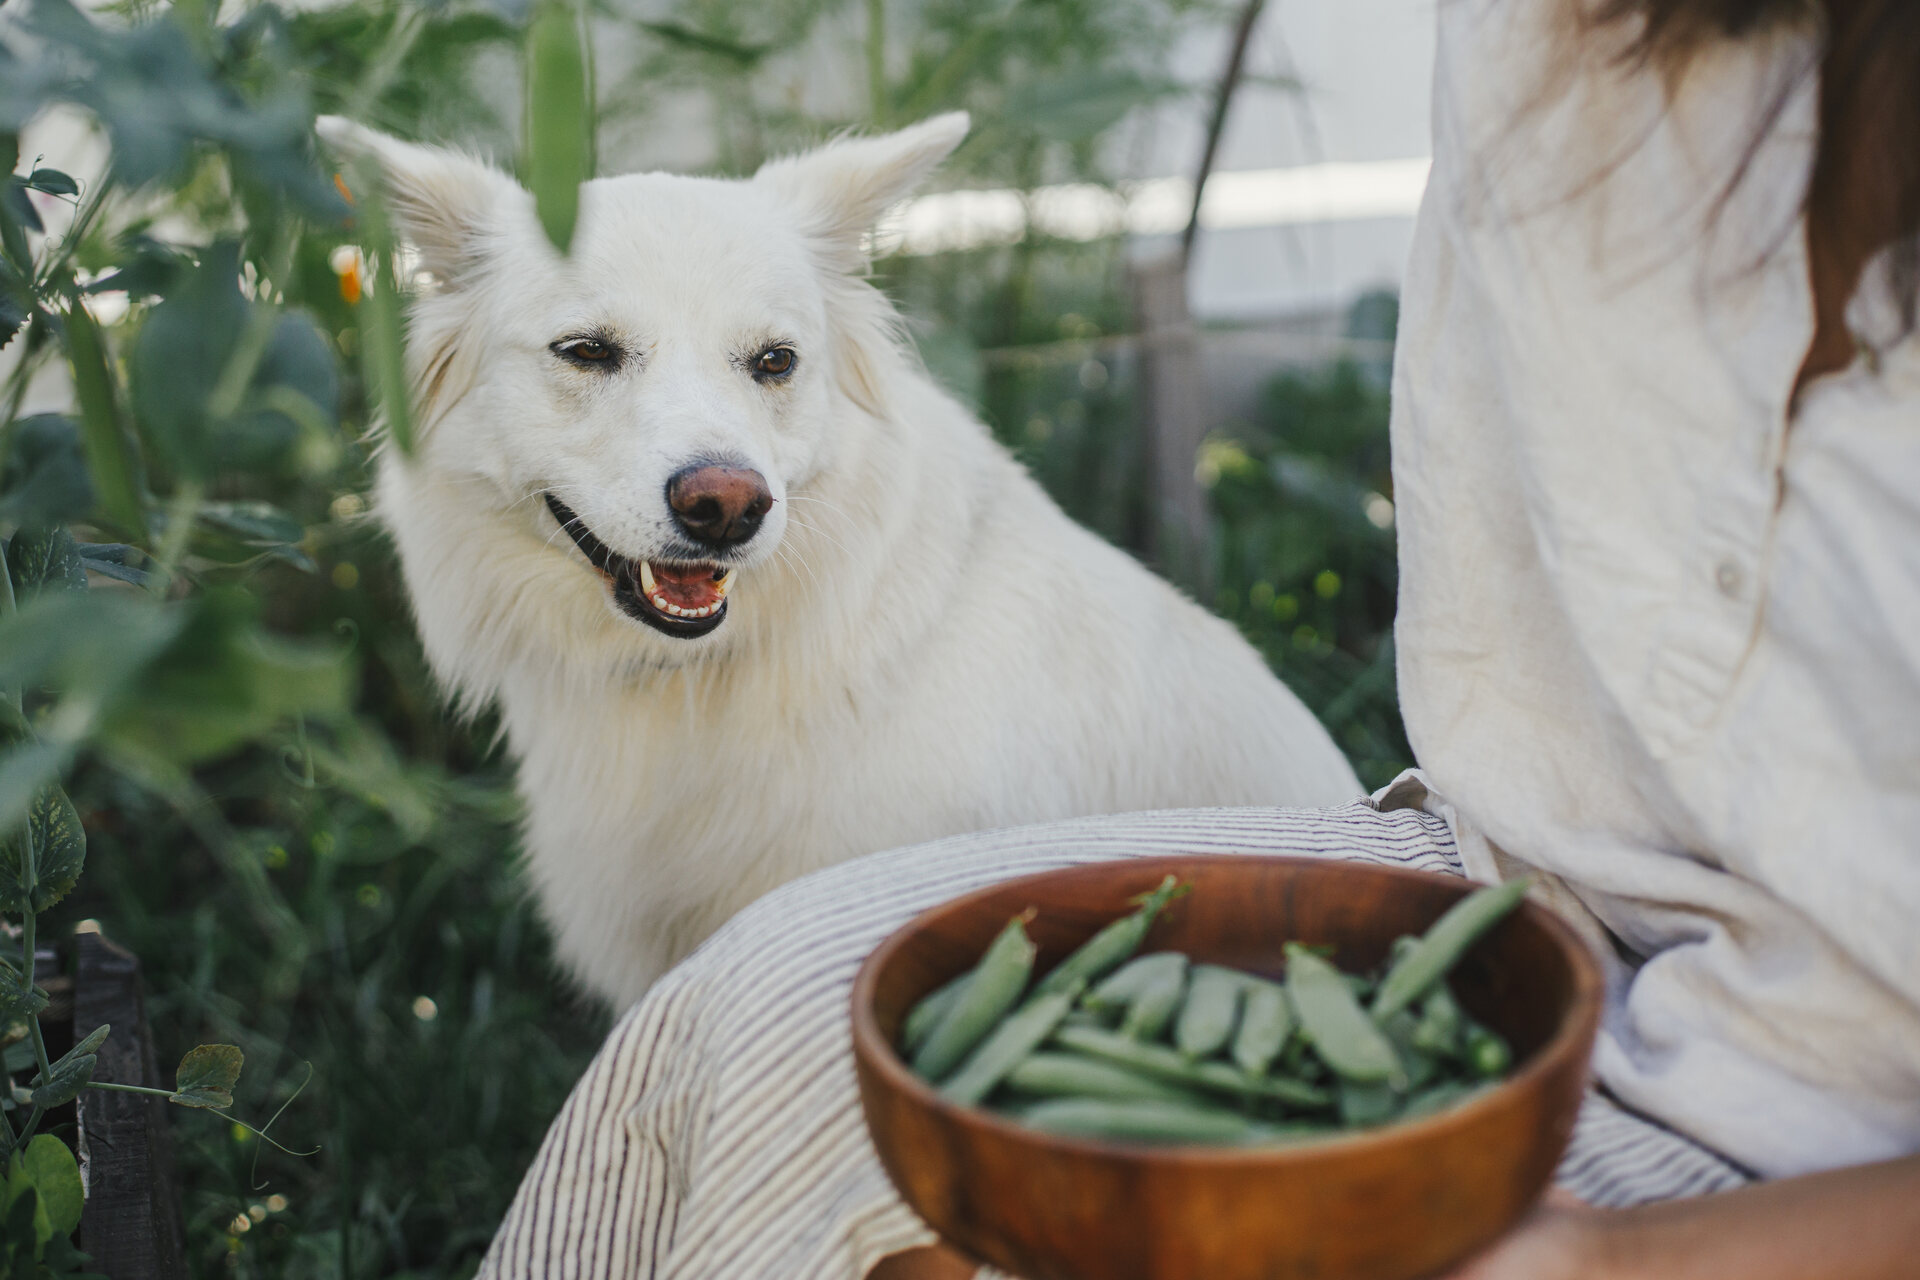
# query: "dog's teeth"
(721, 583)
(647, 587)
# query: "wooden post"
(131, 1225)
(1174, 417)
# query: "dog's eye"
(774, 362)
(587, 351)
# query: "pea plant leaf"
(18, 999)
(38, 559)
(49, 1165)
(53, 182)
(46, 473)
(206, 1076)
(69, 1078)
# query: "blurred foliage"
(314, 863)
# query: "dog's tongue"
(689, 586)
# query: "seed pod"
(1364, 1105)
(1121, 988)
(1344, 1038)
(1074, 1075)
(1441, 947)
(1440, 1022)
(1166, 1064)
(1266, 1025)
(996, 986)
(1109, 948)
(1142, 1121)
(1211, 1009)
(925, 1015)
(1151, 1011)
(1015, 1038)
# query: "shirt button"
(1729, 577)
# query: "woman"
(1657, 468)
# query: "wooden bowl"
(1387, 1204)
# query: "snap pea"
(1487, 1054)
(1211, 1009)
(1341, 1033)
(996, 986)
(1074, 1075)
(1266, 1024)
(1109, 948)
(1441, 947)
(925, 1015)
(1150, 1121)
(1120, 988)
(1440, 1022)
(1421, 1066)
(1151, 1010)
(1166, 1064)
(1012, 1040)
(1369, 1103)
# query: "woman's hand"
(1849, 1224)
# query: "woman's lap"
(718, 1133)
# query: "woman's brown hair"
(1864, 194)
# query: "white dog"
(754, 595)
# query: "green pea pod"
(1363, 1105)
(1422, 1067)
(1441, 947)
(1266, 1025)
(1343, 1037)
(996, 986)
(1109, 948)
(1163, 1063)
(1012, 1040)
(1487, 1054)
(1122, 987)
(1074, 1075)
(1441, 1020)
(1148, 1016)
(925, 1015)
(1150, 1121)
(1210, 1012)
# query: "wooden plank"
(1176, 421)
(131, 1225)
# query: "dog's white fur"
(919, 643)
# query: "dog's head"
(645, 405)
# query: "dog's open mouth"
(684, 599)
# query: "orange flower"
(340, 185)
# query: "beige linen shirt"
(1659, 630)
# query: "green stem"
(181, 510)
(111, 1087)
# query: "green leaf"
(28, 1227)
(59, 846)
(559, 118)
(95, 1038)
(46, 473)
(18, 999)
(53, 182)
(207, 1075)
(114, 465)
(55, 1174)
(43, 558)
(69, 1078)
(114, 560)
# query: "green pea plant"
(127, 638)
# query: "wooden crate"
(131, 1225)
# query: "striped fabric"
(718, 1134)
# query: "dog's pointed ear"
(442, 202)
(841, 189)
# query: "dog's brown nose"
(720, 505)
